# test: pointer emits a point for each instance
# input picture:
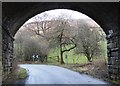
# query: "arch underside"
(105, 14)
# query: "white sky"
(57, 12)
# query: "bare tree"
(88, 39)
(28, 43)
(40, 25)
(55, 31)
(60, 37)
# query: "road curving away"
(49, 74)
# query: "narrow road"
(49, 74)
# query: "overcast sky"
(57, 12)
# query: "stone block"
(114, 54)
(110, 45)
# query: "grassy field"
(74, 58)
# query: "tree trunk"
(58, 58)
(89, 58)
(61, 55)
(46, 58)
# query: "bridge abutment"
(7, 53)
(113, 41)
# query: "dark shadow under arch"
(103, 13)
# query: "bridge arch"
(18, 13)
(105, 14)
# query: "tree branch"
(69, 48)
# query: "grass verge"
(22, 74)
(17, 74)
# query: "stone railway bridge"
(105, 14)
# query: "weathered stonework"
(0, 55)
(113, 56)
(7, 53)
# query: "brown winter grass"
(97, 68)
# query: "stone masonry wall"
(113, 55)
(7, 53)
